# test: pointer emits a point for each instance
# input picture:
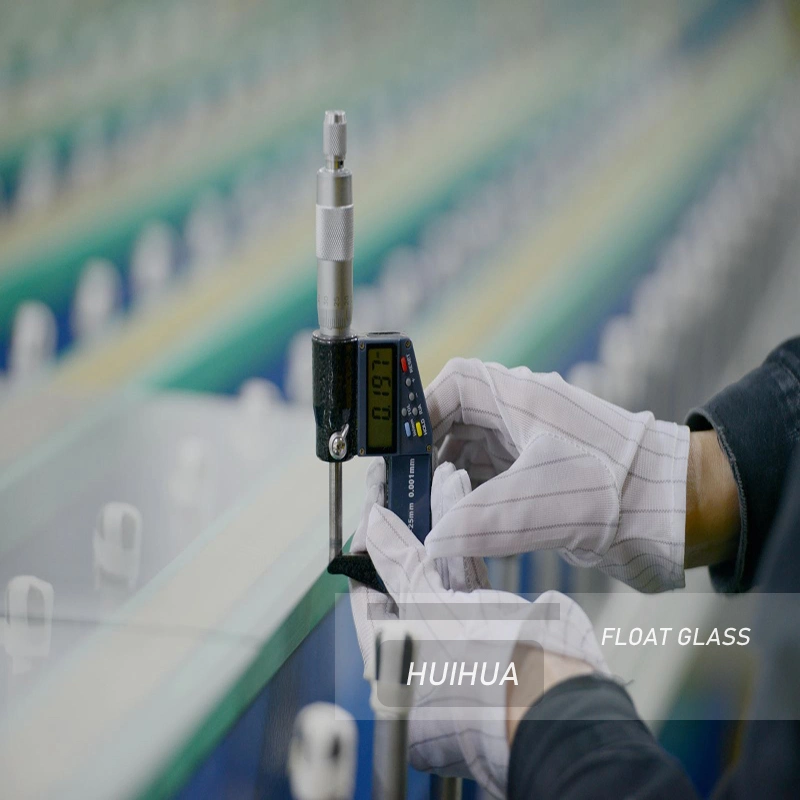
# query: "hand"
(478, 626)
(559, 469)
(461, 574)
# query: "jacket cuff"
(583, 739)
(757, 421)
(565, 724)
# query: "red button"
(404, 364)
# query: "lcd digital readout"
(380, 397)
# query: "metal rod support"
(446, 788)
(335, 509)
(390, 759)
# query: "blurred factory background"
(607, 189)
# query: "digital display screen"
(380, 398)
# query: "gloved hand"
(559, 469)
(459, 729)
(461, 574)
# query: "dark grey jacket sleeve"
(583, 739)
(757, 422)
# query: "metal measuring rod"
(391, 700)
(368, 394)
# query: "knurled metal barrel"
(334, 231)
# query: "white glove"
(455, 729)
(563, 470)
(461, 574)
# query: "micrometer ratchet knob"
(334, 138)
(334, 231)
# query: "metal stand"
(390, 763)
(446, 788)
(391, 700)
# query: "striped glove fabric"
(464, 645)
(557, 468)
(460, 574)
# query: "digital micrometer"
(368, 393)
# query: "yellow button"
(419, 429)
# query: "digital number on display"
(380, 398)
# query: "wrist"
(712, 503)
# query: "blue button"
(408, 429)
